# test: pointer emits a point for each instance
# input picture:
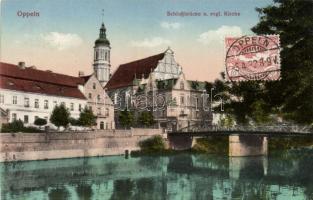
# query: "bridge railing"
(265, 128)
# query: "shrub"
(17, 126)
(154, 144)
(40, 122)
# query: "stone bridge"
(243, 140)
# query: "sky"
(62, 37)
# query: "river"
(183, 176)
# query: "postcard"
(156, 99)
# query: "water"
(184, 176)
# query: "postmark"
(253, 58)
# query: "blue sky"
(135, 28)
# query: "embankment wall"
(42, 146)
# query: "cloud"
(151, 42)
(169, 25)
(218, 35)
(62, 41)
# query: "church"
(154, 81)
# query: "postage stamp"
(253, 58)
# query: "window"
(46, 104)
(106, 56)
(89, 96)
(72, 106)
(94, 85)
(107, 112)
(182, 85)
(1, 98)
(55, 103)
(14, 117)
(36, 103)
(14, 100)
(182, 100)
(26, 119)
(99, 98)
(90, 108)
(26, 102)
(99, 111)
(80, 107)
(36, 117)
(63, 103)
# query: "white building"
(27, 93)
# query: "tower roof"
(102, 40)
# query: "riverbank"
(218, 145)
(58, 145)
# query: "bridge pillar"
(247, 145)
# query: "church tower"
(101, 61)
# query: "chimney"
(80, 73)
(21, 65)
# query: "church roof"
(126, 73)
(13, 77)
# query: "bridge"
(243, 140)
(267, 130)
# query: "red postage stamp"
(253, 58)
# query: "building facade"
(27, 93)
(157, 84)
(98, 101)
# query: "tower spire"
(102, 14)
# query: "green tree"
(60, 116)
(293, 21)
(226, 121)
(87, 118)
(126, 118)
(146, 118)
(40, 122)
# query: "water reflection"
(184, 176)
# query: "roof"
(32, 80)
(86, 78)
(166, 84)
(126, 73)
(197, 85)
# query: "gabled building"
(98, 101)
(158, 84)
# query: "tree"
(126, 118)
(146, 118)
(40, 122)
(293, 21)
(60, 116)
(87, 118)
